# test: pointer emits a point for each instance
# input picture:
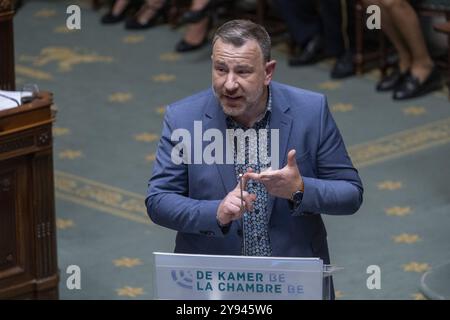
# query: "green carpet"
(110, 87)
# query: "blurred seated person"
(319, 28)
(149, 14)
(119, 10)
(416, 73)
(197, 19)
(150, 11)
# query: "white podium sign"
(192, 277)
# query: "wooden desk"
(28, 259)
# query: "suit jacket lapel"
(283, 122)
(214, 118)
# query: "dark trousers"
(307, 18)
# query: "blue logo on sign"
(182, 278)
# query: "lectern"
(214, 277)
(28, 260)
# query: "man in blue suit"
(243, 206)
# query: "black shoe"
(183, 46)
(411, 86)
(109, 18)
(161, 12)
(343, 67)
(393, 81)
(197, 15)
(311, 53)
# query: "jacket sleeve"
(167, 198)
(337, 189)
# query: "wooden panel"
(14, 211)
(28, 262)
(28, 257)
(8, 240)
(45, 228)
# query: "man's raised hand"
(230, 208)
(280, 183)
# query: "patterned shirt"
(255, 231)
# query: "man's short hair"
(238, 32)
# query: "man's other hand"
(280, 183)
(230, 208)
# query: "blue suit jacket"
(185, 197)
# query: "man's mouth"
(232, 98)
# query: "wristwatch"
(296, 199)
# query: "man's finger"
(245, 177)
(249, 199)
(233, 208)
(265, 175)
(291, 159)
(268, 174)
(245, 204)
(252, 176)
(242, 183)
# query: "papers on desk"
(11, 99)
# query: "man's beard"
(234, 111)
(237, 110)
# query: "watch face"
(298, 196)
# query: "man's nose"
(231, 83)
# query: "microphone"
(32, 91)
(241, 186)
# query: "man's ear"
(269, 69)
